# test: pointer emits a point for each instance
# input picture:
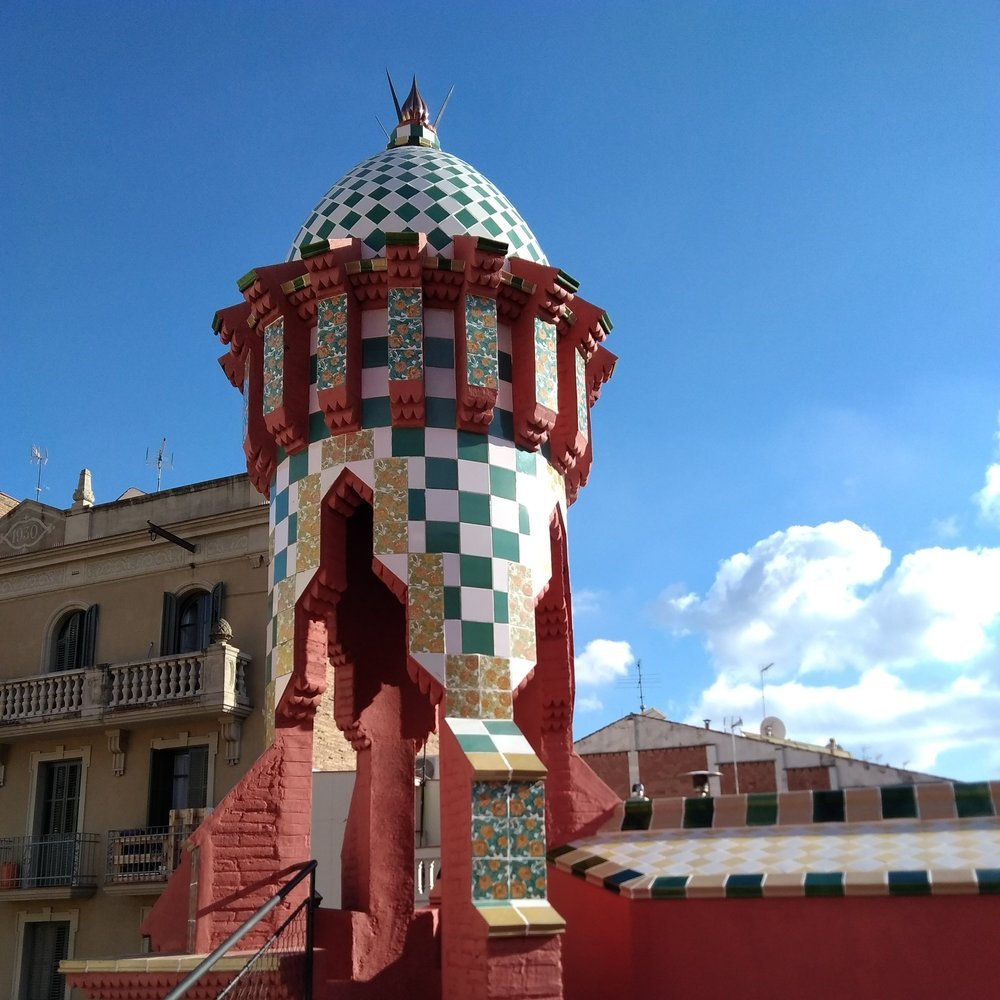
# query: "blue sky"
(789, 209)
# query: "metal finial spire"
(415, 109)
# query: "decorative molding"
(117, 747)
(232, 735)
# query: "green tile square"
(502, 425)
(503, 482)
(501, 609)
(417, 505)
(989, 881)
(439, 352)
(440, 412)
(436, 212)
(744, 886)
(376, 412)
(477, 637)
(613, 882)
(501, 727)
(453, 602)
(638, 814)
(375, 240)
(325, 229)
(762, 808)
(506, 545)
(407, 212)
(442, 536)
(441, 473)
(313, 366)
(899, 802)
(824, 884)
(318, 430)
(353, 198)
(293, 528)
(582, 867)
(669, 887)
(973, 799)
(828, 806)
(698, 813)
(438, 239)
(408, 441)
(527, 462)
(350, 219)
(375, 352)
(280, 506)
(476, 571)
(298, 466)
(909, 883)
(523, 519)
(473, 447)
(476, 743)
(473, 508)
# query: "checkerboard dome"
(416, 188)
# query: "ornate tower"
(418, 382)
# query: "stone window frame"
(43, 916)
(182, 740)
(39, 757)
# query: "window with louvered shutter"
(46, 944)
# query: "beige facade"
(124, 711)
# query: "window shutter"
(218, 592)
(68, 642)
(197, 778)
(89, 636)
(168, 625)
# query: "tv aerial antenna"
(161, 460)
(640, 683)
(40, 456)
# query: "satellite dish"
(773, 726)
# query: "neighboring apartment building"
(666, 757)
(126, 709)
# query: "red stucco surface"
(865, 948)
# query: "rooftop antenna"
(440, 114)
(161, 461)
(41, 456)
(763, 707)
(641, 683)
(382, 127)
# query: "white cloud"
(988, 498)
(586, 602)
(589, 703)
(903, 659)
(602, 661)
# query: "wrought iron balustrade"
(48, 861)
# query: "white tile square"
(417, 536)
(467, 727)
(503, 338)
(505, 396)
(416, 472)
(373, 322)
(374, 382)
(442, 505)
(280, 535)
(281, 477)
(477, 604)
(451, 562)
(501, 641)
(440, 382)
(439, 323)
(504, 513)
(452, 636)
(473, 477)
(440, 442)
(503, 454)
(476, 539)
(382, 442)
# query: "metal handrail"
(308, 869)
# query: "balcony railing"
(150, 854)
(51, 861)
(215, 679)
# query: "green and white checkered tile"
(416, 189)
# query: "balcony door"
(178, 779)
(54, 856)
(46, 944)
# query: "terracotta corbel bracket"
(287, 416)
(599, 370)
(553, 291)
(484, 259)
(404, 254)
(244, 367)
(328, 294)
